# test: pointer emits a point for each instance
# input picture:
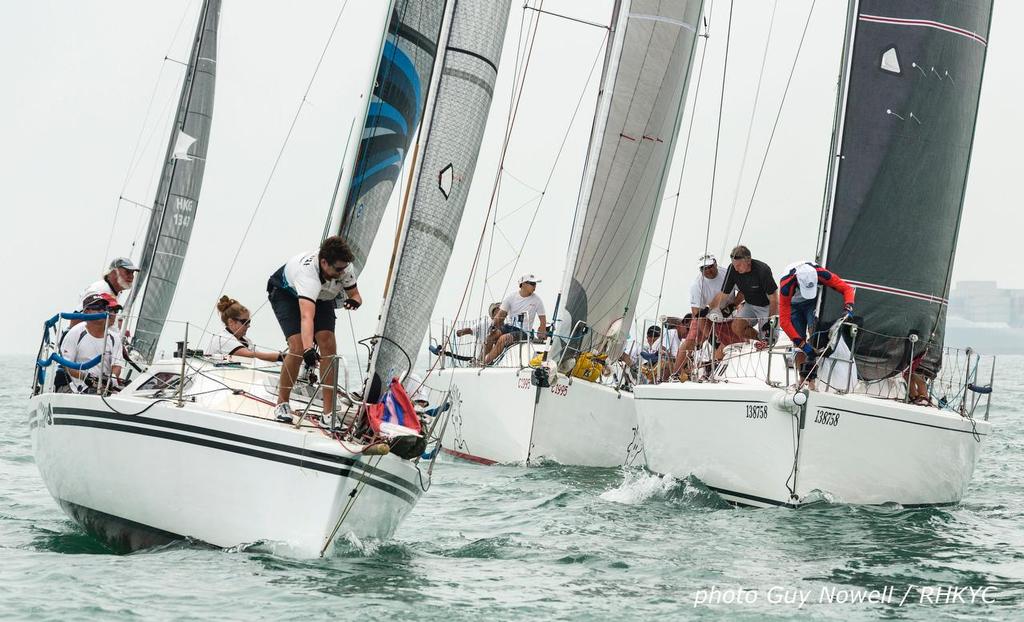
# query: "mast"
(835, 148)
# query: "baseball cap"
(706, 260)
(492, 307)
(807, 279)
(528, 278)
(105, 302)
(122, 262)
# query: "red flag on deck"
(395, 408)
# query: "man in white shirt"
(90, 339)
(304, 293)
(515, 317)
(117, 281)
(703, 290)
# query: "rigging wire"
(135, 158)
(718, 135)
(280, 153)
(554, 165)
(686, 146)
(778, 115)
(750, 129)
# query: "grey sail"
(392, 117)
(915, 76)
(174, 208)
(644, 84)
(456, 128)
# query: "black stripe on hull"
(120, 534)
(783, 504)
(239, 438)
(246, 451)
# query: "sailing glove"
(351, 304)
(311, 357)
(849, 309)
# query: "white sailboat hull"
(741, 441)
(505, 419)
(222, 478)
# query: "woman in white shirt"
(233, 342)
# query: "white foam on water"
(639, 486)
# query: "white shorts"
(753, 314)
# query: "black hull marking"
(245, 451)
(239, 438)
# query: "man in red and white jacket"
(798, 297)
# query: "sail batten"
(914, 82)
(453, 135)
(177, 197)
(644, 84)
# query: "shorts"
(724, 335)
(517, 333)
(700, 328)
(752, 313)
(286, 310)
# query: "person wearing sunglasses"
(232, 341)
(89, 339)
(304, 293)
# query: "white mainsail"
(644, 84)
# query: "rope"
(280, 153)
(750, 129)
(775, 125)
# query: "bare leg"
(289, 369)
(500, 345)
(328, 349)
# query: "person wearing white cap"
(116, 281)
(798, 295)
(703, 290)
(515, 317)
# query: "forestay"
(644, 83)
(455, 130)
(174, 208)
(914, 81)
(392, 117)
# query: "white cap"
(706, 260)
(528, 278)
(807, 278)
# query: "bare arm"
(499, 319)
(462, 332)
(542, 332)
(271, 357)
(773, 303)
(307, 309)
(354, 295)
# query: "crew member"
(89, 339)
(304, 293)
(515, 317)
(798, 299)
(232, 341)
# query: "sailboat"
(515, 412)
(911, 79)
(190, 449)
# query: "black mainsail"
(914, 81)
(174, 208)
(394, 113)
(454, 131)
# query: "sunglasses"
(244, 322)
(533, 283)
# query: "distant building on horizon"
(986, 302)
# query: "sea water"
(548, 542)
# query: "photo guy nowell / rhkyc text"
(888, 595)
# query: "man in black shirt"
(757, 288)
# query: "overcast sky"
(82, 75)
